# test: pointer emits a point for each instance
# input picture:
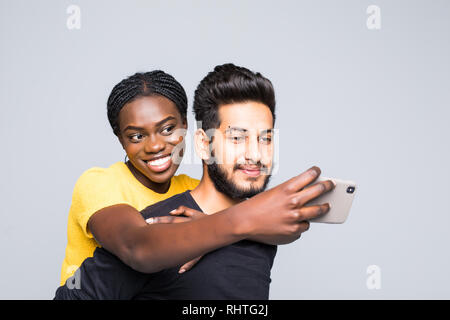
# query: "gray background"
(365, 105)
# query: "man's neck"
(208, 198)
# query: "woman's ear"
(121, 142)
(201, 144)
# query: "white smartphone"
(340, 200)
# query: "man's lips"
(159, 164)
(251, 171)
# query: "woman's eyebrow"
(157, 124)
(132, 128)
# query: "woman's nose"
(154, 144)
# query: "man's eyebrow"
(159, 123)
(229, 129)
(266, 131)
(242, 130)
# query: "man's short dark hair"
(230, 84)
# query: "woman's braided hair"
(142, 85)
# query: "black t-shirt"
(237, 271)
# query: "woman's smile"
(150, 136)
(159, 164)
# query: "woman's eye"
(136, 137)
(168, 129)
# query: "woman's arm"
(122, 230)
(277, 213)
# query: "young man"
(236, 109)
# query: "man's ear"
(201, 144)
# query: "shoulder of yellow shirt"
(110, 174)
(97, 178)
(189, 182)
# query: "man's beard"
(228, 187)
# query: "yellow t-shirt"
(98, 188)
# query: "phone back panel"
(340, 200)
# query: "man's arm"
(277, 213)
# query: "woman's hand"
(181, 214)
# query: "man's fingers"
(299, 182)
(308, 213)
(189, 265)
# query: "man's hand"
(285, 215)
(181, 214)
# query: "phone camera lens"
(350, 189)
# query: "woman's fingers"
(167, 219)
(308, 213)
(181, 214)
(187, 266)
(188, 212)
(178, 211)
(303, 197)
(299, 182)
(303, 227)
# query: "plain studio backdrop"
(362, 92)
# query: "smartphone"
(340, 200)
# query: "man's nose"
(154, 144)
(253, 153)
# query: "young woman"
(146, 112)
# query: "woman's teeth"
(159, 162)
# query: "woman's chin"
(162, 177)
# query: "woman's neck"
(156, 187)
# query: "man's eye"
(136, 137)
(237, 139)
(266, 140)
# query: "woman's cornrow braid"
(144, 84)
